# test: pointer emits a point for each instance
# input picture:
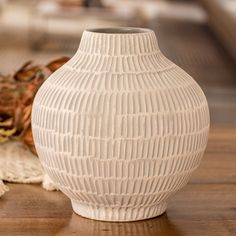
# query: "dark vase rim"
(119, 30)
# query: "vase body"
(120, 128)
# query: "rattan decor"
(120, 128)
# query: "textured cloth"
(19, 165)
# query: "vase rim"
(119, 30)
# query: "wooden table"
(207, 206)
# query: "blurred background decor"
(17, 93)
(222, 20)
(17, 162)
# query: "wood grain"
(207, 206)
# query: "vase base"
(118, 214)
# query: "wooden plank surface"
(207, 206)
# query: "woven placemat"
(19, 165)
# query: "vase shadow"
(156, 226)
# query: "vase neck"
(118, 41)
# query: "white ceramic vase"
(120, 128)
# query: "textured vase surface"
(120, 128)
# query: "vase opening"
(120, 30)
